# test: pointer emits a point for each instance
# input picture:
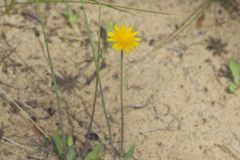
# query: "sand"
(176, 103)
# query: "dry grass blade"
(94, 2)
(194, 16)
(118, 8)
(130, 8)
(108, 5)
(24, 113)
(226, 150)
(13, 142)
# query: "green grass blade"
(55, 86)
(97, 66)
(129, 154)
(57, 139)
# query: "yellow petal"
(134, 34)
(136, 39)
(130, 29)
(111, 34)
(111, 39)
(116, 46)
(116, 28)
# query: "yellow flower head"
(123, 38)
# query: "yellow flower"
(123, 38)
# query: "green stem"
(93, 108)
(121, 101)
(55, 88)
(98, 55)
(96, 62)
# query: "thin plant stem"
(93, 108)
(94, 2)
(68, 11)
(99, 27)
(98, 55)
(96, 62)
(67, 8)
(55, 86)
(121, 105)
(130, 8)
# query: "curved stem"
(55, 87)
(96, 62)
(98, 59)
(93, 108)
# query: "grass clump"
(59, 147)
(71, 153)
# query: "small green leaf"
(110, 26)
(59, 145)
(70, 141)
(234, 67)
(129, 153)
(72, 18)
(95, 153)
(232, 87)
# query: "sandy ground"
(176, 103)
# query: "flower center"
(124, 39)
